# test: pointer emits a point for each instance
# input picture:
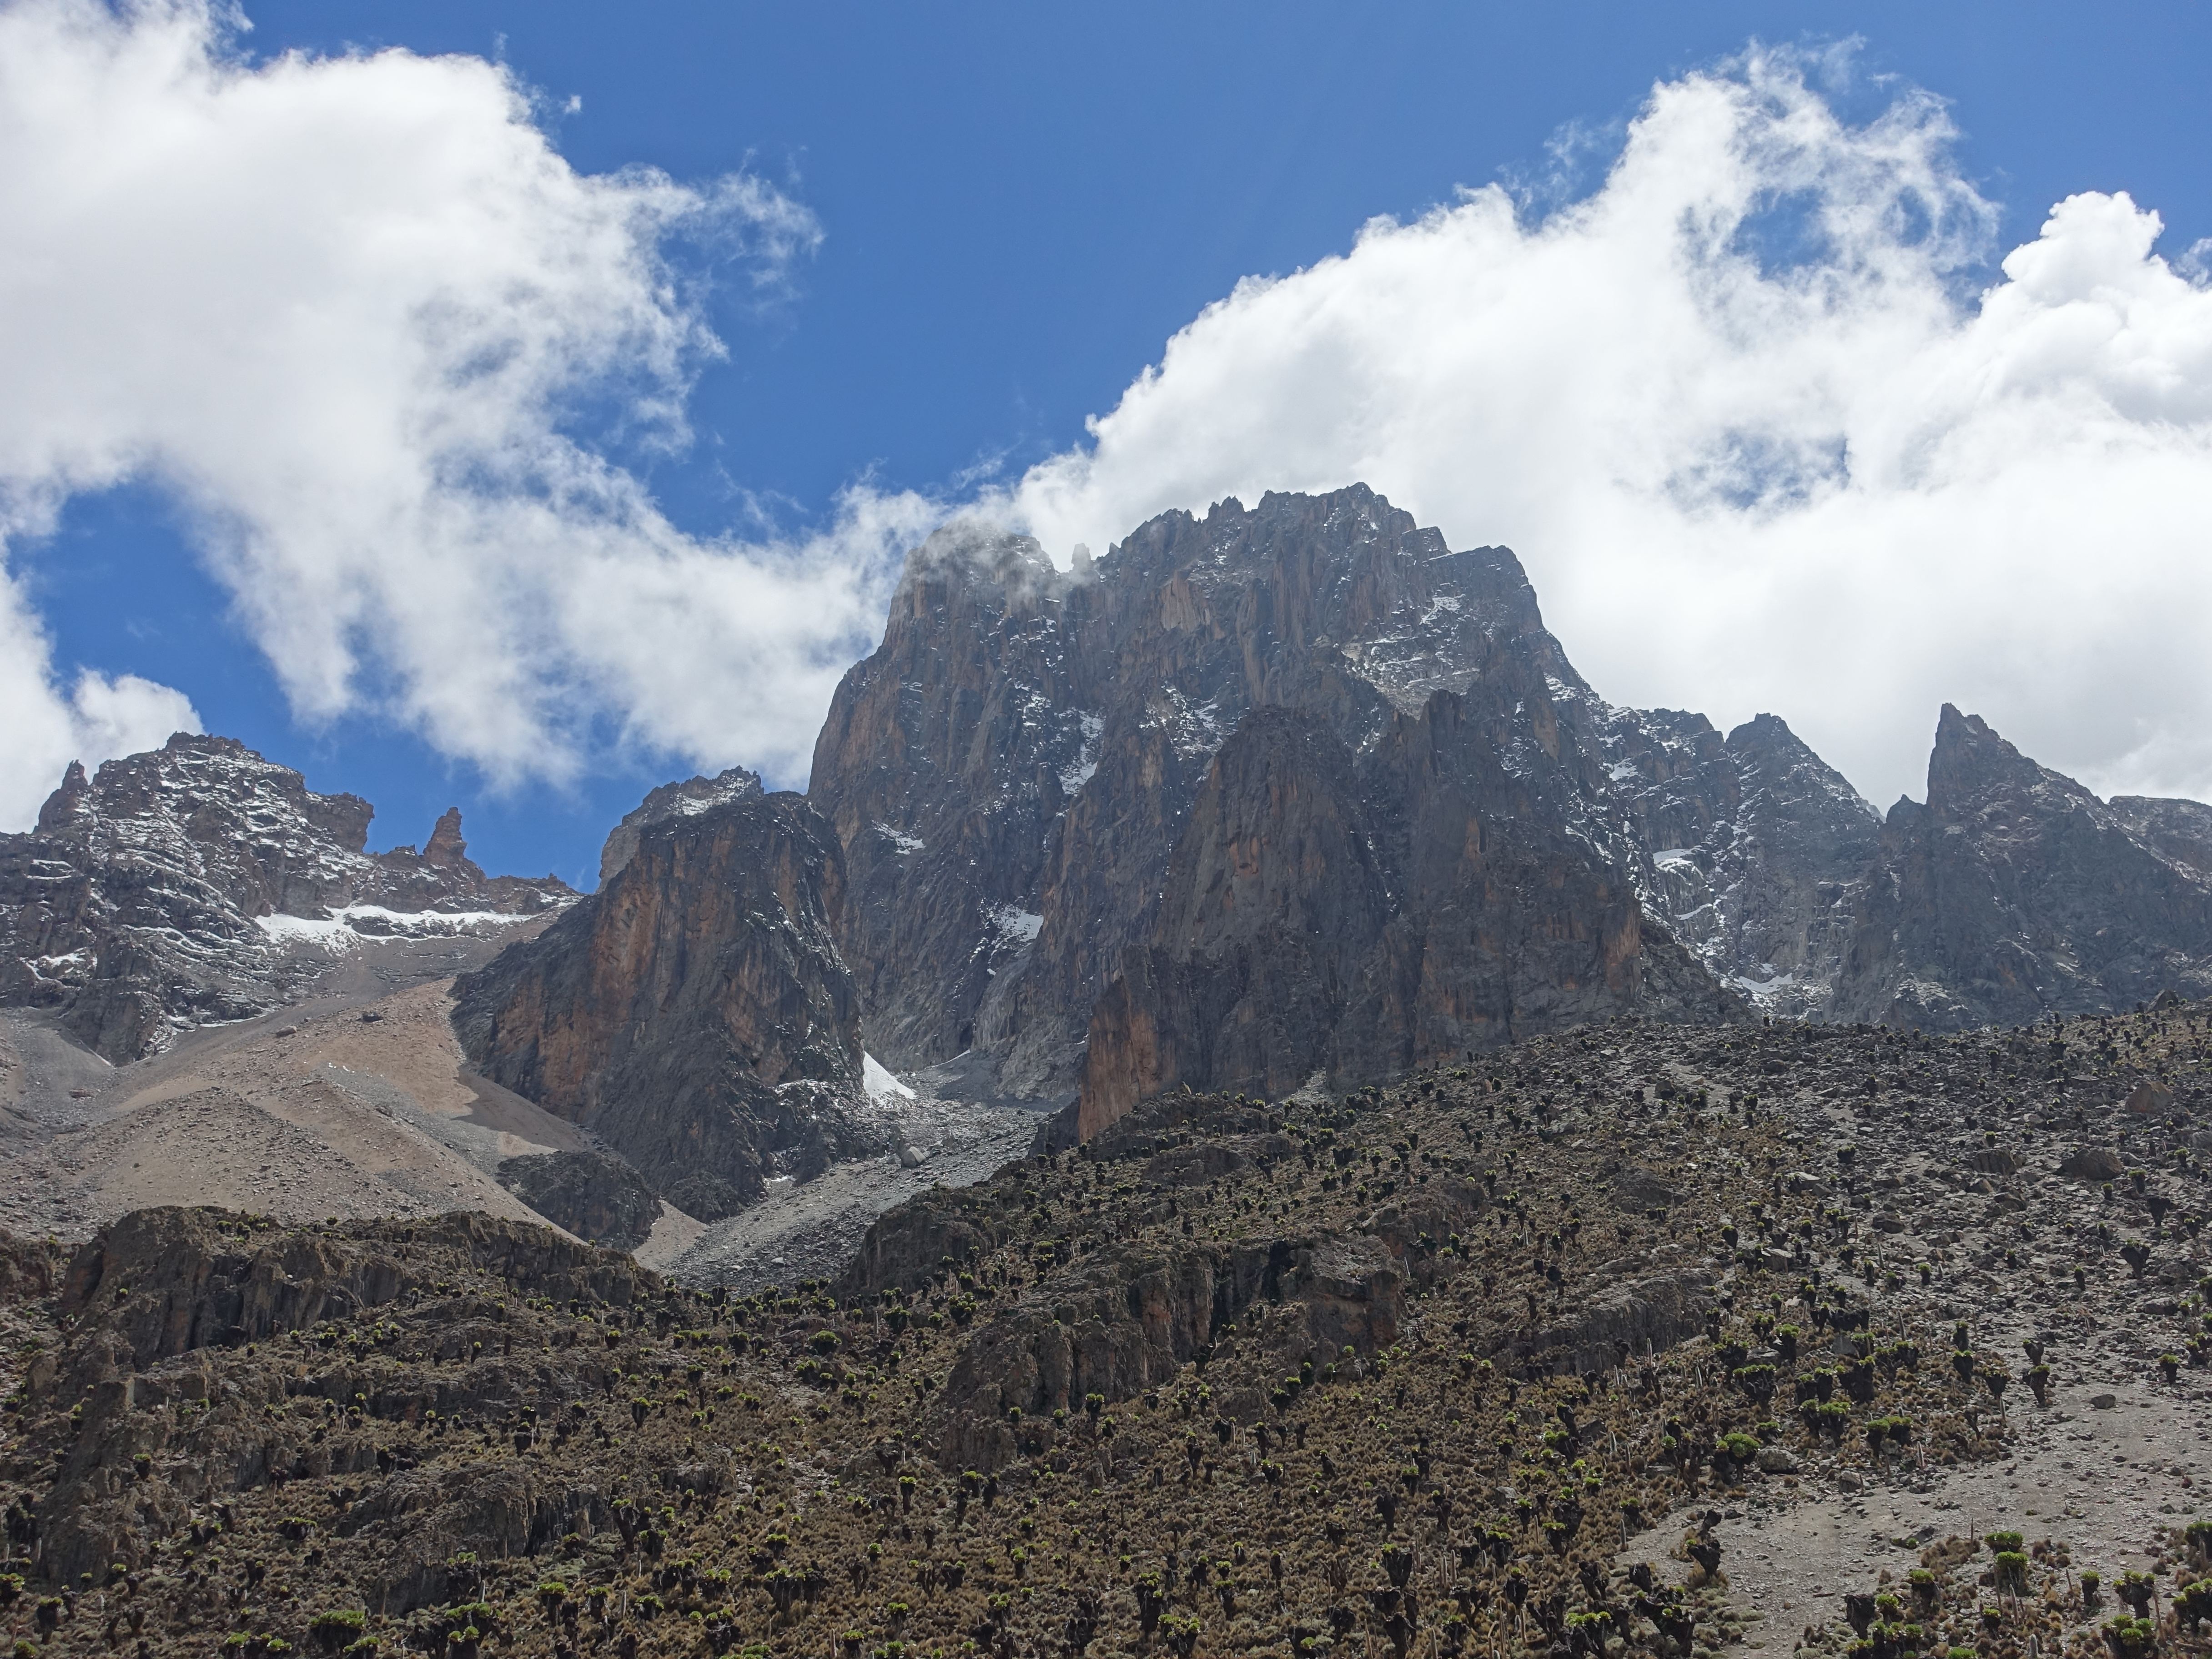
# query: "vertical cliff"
(1328, 917)
(945, 767)
(1275, 897)
(694, 1012)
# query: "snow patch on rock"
(371, 924)
(884, 1087)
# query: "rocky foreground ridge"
(199, 883)
(1547, 1354)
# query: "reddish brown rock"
(684, 799)
(694, 1012)
(1325, 918)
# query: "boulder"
(2092, 1164)
(2150, 1099)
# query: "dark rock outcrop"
(2179, 831)
(1634, 1317)
(599, 1198)
(2015, 893)
(151, 897)
(693, 1011)
(160, 1282)
(1129, 1316)
(163, 1310)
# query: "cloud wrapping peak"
(352, 312)
(1757, 448)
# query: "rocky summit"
(200, 883)
(2014, 892)
(1298, 793)
(1282, 800)
(1016, 771)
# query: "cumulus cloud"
(353, 311)
(47, 726)
(1760, 441)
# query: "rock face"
(1297, 793)
(945, 767)
(2015, 893)
(1015, 772)
(694, 1012)
(169, 889)
(1325, 916)
(2179, 831)
(597, 1198)
(1759, 848)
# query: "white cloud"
(350, 310)
(1830, 485)
(46, 727)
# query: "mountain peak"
(209, 883)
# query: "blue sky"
(1017, 207)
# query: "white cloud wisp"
(1756, 448)
(351, 313)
